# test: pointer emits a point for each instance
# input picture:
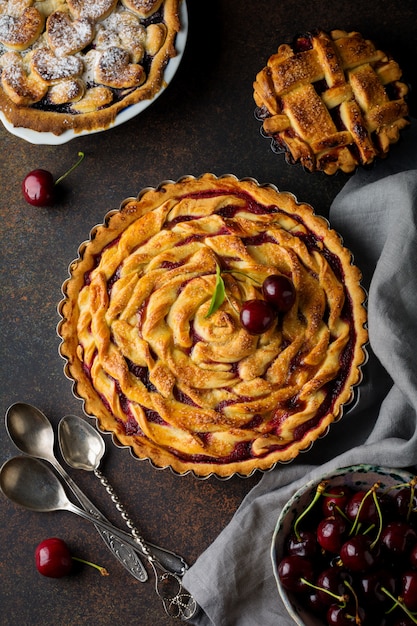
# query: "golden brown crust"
(95, 34)
(192, 390)
(326, 103)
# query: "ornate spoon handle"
(168, 560)
(176, 600)
(124, 552)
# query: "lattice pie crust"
(74, 64)
(331, 101)
(195, 391)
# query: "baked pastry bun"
(154, 339)
(75, 64)
(331, 101)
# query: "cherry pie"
(181, 381)
(74, 64)
(331, 101)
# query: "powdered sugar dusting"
(51, 68)
(93, 10)
(67, 36)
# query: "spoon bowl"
(28, 482)
(30, 430)
(81, 445)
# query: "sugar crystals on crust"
(332, 101)
(195, 390)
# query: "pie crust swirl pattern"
(190, 389)
(331, 101)
(75, 64)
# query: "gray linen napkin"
(376, 213)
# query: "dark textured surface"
(203, 122)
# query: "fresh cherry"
(257, 316)
(371, 587)
(53, 559)
(305, 544)
(413, 557)
(361, 506)
(356, 554)
(293, 571)
(331, 583)
(39, 187)
(279, 291)
(408, 591)
(372, 577)
(331, 533)
(405, 502)
(335, 499)
(345, 616)
(398, 538)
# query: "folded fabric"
(376, 214)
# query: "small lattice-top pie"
(183, 382)
(74, 64)
(331, 101)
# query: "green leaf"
(219, 293)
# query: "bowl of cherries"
(344, 550)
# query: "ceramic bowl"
(357, 477)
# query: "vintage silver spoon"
(30, 483)
(82, 447)
(32, 433)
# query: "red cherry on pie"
(257, 316)
(279, 291)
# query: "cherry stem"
(412, 493)
(368, 493)
(258, 282)
(357, 618)
(378, 508)
(342, 599)
(341, 513)
(102, 570)
(71, 169)
(319, 491)
(400, 603)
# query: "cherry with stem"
(39, 187)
